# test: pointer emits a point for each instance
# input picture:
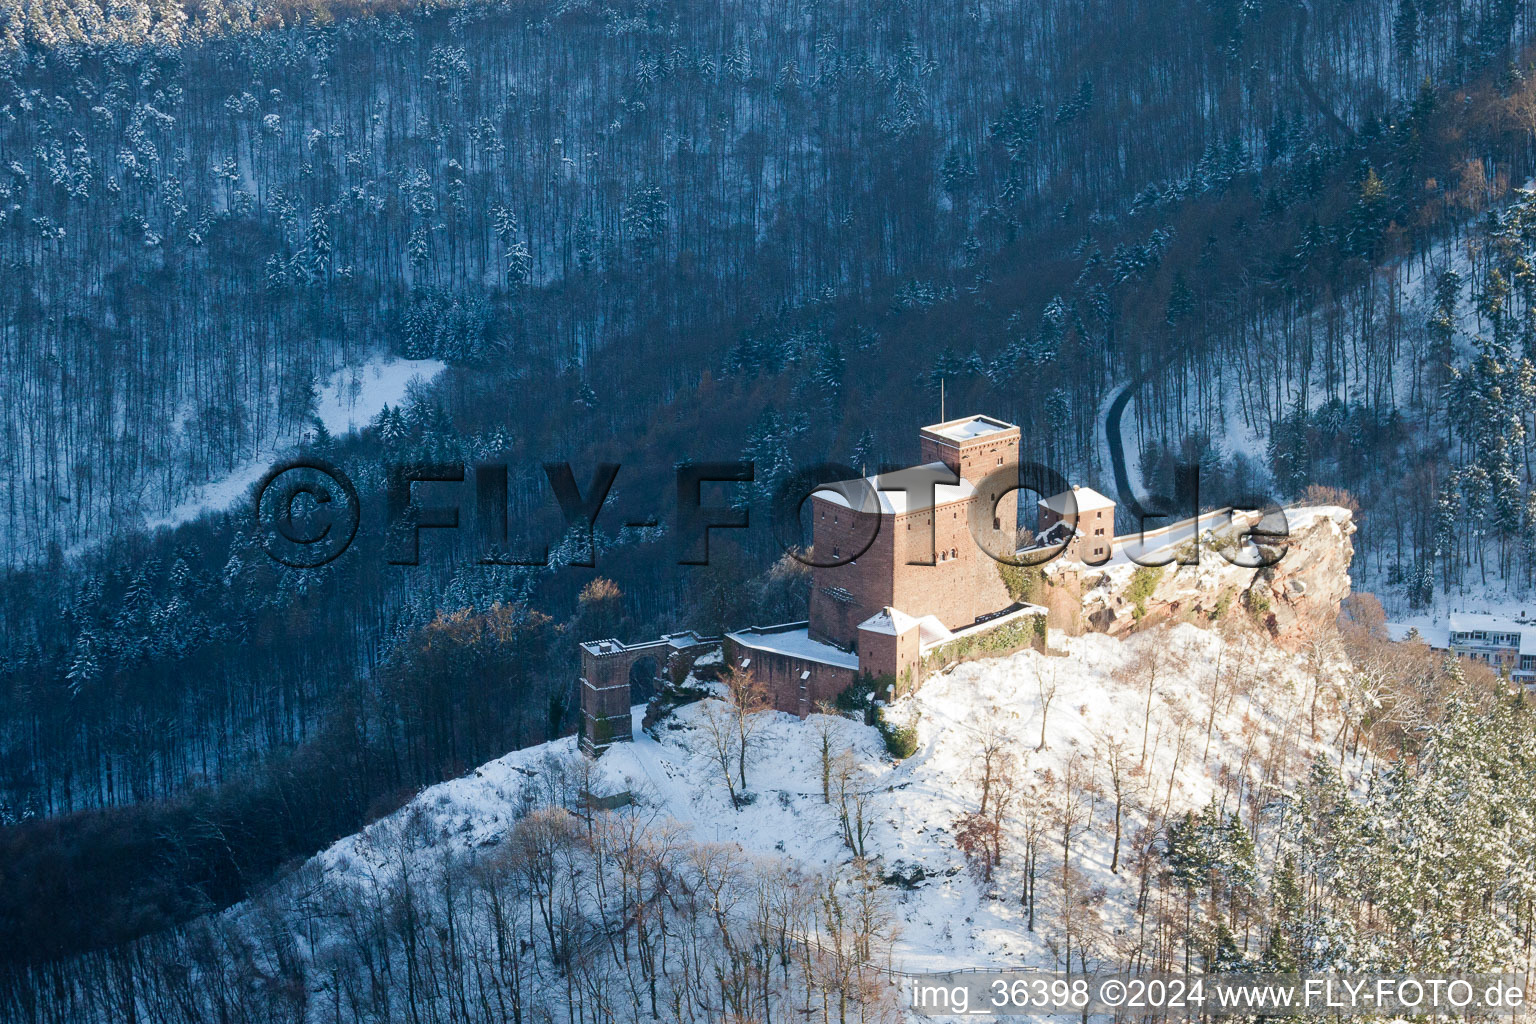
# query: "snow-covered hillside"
(1192, 797)
(1202, 800)
(1227, 721)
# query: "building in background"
(1505, 644)
(1083, 520)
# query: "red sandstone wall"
(605, 698)
(973, 460)
(1049, 517)
(986, 457)
(954, 578)
(878, 654)
(1094, 547)
(962, 585)
(1084, 544)
(887, 654)
(780, 674)
(868, 577)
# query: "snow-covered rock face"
(1307, 584)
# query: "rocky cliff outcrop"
(1308, 582)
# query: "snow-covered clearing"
(352, 396)
(345, 401)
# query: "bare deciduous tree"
(826, 724)
(718, 723)
(851, 786)
(1045, 688)
(749, 699)
(991, 753)
(1113, 757)
(1150, 660)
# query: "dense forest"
(195, 233)
(649, 232)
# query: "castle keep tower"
(984, 452)
(915, 578)
(924, 560)
(974, 446)
(605, 695)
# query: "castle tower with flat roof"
(913, 540)
(984, 451)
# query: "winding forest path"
(1114, 441)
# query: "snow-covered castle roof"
(905, 490)
(1087, 500)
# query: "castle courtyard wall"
(794, 685)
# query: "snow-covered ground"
(352, 396)
(345, 401)
(950, 918)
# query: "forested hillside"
(1206, 802)
(651, 232)
(195, 233)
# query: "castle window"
(835, 552)
(997, 524)
(953, 553)
(999, 460)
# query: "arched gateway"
(607, 672)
